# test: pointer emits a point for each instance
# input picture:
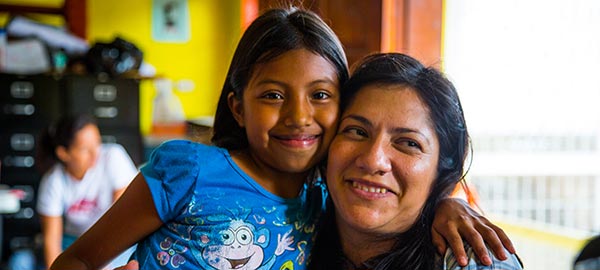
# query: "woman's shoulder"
(112, 149)
(448, 262)
(54, 174)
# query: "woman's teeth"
(369, 189)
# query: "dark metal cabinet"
(114, 102)
(28, 104)
(30, 101)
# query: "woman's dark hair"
(414, 248)
(59, 133)
(272, 34)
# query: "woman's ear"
(236, 108)
(61, 153)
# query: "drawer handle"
(19, 161)
(19, 109)
(105, 92)
(106, 112)
(19, 89)
(22, 142)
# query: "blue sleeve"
(171, 174)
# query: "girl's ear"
(61, 153)
(236, 108)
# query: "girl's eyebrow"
(327, 80)
(282, 84)
(269, 81)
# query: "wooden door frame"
(413, 27)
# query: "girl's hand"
(455, 219)
(131, 265)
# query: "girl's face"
(290, 110)
(83, 153)
(382, 162)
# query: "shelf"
(74, 12)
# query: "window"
(528, 76)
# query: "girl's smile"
(299, 141)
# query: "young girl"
(251, 201)
(82, 178)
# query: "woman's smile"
(369, 190)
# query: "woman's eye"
(321, 95)
(410, 144)
(355, 132)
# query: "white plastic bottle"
(168, 117)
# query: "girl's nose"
(374, 160)
(299, 113)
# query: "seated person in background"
(81, 179)
(400, 148)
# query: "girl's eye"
(272, 95)
(321, 95)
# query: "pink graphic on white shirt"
(83, 206)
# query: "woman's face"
(83, 152)
(382, 162)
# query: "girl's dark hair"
(59, 133)
(414, 248)
(272, 34)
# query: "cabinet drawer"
(30, 100)
(114, 102)
(17, 148)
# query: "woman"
(400, 148)
(82, 178)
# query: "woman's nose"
(299, 113)
(374, 158)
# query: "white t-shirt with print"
(83, 202)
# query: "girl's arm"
(52, 233)
(455, 219)
(130, 219)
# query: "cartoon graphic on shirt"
(235, 243)
(171, 253)
(288, 265)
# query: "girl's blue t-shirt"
(217, 217)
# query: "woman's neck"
(282, 184)
(359, 246)
(75, 174)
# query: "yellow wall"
(215, 29)
(48, 19)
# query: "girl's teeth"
(369, 189)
